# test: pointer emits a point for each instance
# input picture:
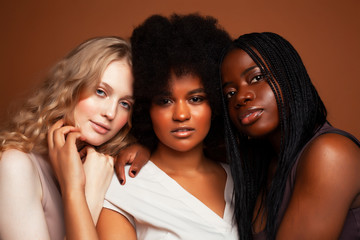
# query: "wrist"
(73, 193)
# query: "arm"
(136, 155)
(326, 186)
(114, 226)
(82, 202)
(21, 213)
(83, 206)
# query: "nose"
(181, 111)
(243, 96)
(110, 109)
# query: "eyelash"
(100, 92)
(125, 105)
(199, 99)
(257, 78)
(162, 101)
(193, 99)
(229, 94)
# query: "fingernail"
(133, 172)
(121, 182)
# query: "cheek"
(233, 115)
(84, 108)
(269, 98)
(203, 116)
(160, 116)
(160, 122)
(121, 120)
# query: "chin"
(94, 142)
(185, 147)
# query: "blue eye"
(100, 92)
(125, 105)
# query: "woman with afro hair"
(295, 176)
(183, 192)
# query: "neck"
(274, 139)
(172, 161)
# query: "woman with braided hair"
(295, 176)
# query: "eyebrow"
(126, 97)
(129, 98)
(107, 86)
(241, 75)
(198, 90)
(248, 70)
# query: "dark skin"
(179, 153)
(136, 155)
(327, 180)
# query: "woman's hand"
(79, 173)
(99, 169)
(65, 158)
(136, 155)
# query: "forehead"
(235, 60)
(186, 81)
(118, 76)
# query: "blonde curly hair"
(81, 69)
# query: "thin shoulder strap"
(346, 134)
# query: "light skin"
(181, 119)
(99, 115)
(327, 182)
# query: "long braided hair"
(301, 112)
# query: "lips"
(100, 127)
(250, 116)
(182, 132)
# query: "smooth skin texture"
(22, 189)
(181, 120)
(327, 181)
(327, 185)
(252, 104)
(99, 115)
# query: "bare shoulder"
(332, 148)
(15, 161)
(327, 185)
(17, 169)
(20, 198)
(333, 159)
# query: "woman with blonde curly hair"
(83, 106)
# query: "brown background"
(35, 34)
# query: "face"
(103, 111)
(181, 117)
(251, 102)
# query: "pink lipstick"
(182, 132)
(250, 116)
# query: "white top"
(159, 208)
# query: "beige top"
(51, 200)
